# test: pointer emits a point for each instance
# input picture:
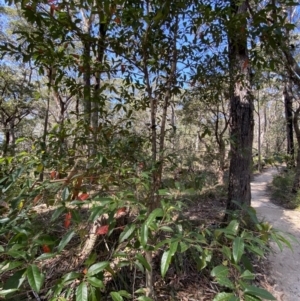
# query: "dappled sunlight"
(286, 264)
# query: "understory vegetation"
(281, 190)
(129, 133)
(94, 246)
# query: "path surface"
(285, 266)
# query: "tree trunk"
(222, 153)
(259, 167)
(296, 184)
(241, 111)
(13, 136)
(6, 141)
(288, 105)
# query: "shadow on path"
(285, 265)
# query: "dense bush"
(282, 190)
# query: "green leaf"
(255, 250)
(144, 298)
(143, 261)
(129, 229)
(167, 257)
(139, 266)
(238, 249)
(158, 212)
(46, 256)
(259, 292)
(227, 252)
(3, 293)
(97, 268)
(65, 194)
(247, 263)
(251, 298)
(116, 296)
(7, 266)
(71, 276)
(248, 275)
(224, 281)
(183, 247)
(65, 240)
(219, 271)
(233, 227)
(93, 281)
(144, 235)
(223, 296)
(125, 294)
(35, 278)
(58, 212)
(82, 292)
(166, 229)
(16, 280)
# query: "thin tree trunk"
(296, 184)
(288, 105)
(241, 111)
(44, 140)
(258, 135)
(6, 140)
(12, 135)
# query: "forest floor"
(284, 266)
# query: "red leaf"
(46, 249)
(53, 174)
(83, 196)
(102, 230)
(121, 212)
(67, 221)
(37, 198)
(118, 20)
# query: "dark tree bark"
(296, 184)
(288, 105)
(241, 110)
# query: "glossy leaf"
(95, 282)
(259, 292)
(251, 298)
(35, 278)
(3, 293)
(82, 292)
(144, 298)
(129, 229)
(116, 296)
(16, 280)
(144, 235)
(238, 249)
(65, 194)
(223, 296)
(97, 268)
(57, 213)
(167, 257)
(219, 271)
(65, 240)
(158, 212)
(248, 275)
(143, 261)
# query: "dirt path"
(285, 266)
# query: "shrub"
(281, 190)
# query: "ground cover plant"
(126, 138)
